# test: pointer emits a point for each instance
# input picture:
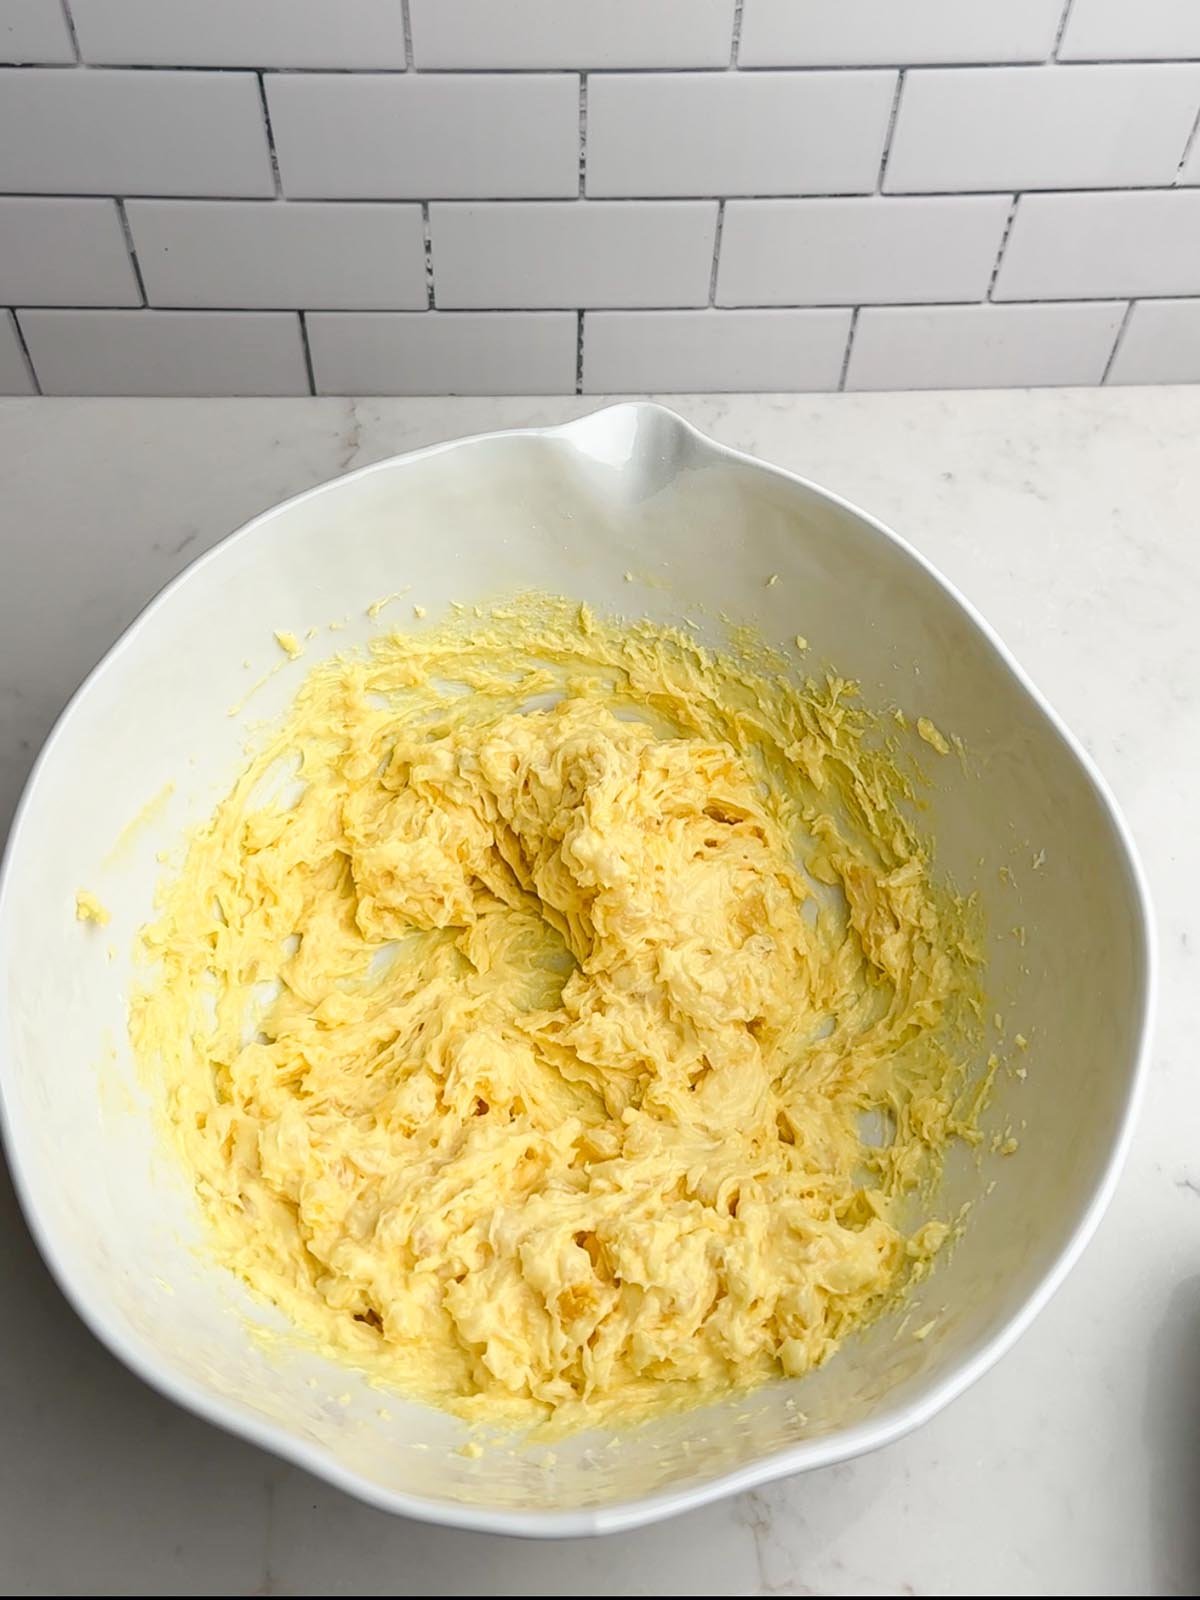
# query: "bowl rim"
(142, 1358)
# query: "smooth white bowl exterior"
(570, 510)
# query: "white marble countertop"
(1072, 519)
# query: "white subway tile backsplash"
(407, 137)
(845, 252)
(34, 31)
(166, 352)
(60, 252)
(1093, 246)
(597, 185)
(695, 351)
(240, 33)
(1131, 30)
(248, 254)
(577, 253)
(697, 133)
(14, 373)
(848, 33)
(1041, 127)
(76, 131)
(571, 33)
(1161, 344)
(444, 352)
(981, 347)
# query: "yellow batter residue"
(88, 908)
(288, 643)
(560, 1020)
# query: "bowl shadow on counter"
(159, 1501)
(128, 1469)
(105, 1487)
(1173, 1428)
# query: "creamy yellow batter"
(523, 1010)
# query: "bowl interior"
(571, 510)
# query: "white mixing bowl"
(568, 510)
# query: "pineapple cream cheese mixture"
(559, 1020)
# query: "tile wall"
(562, 196)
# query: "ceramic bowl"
(571, 510)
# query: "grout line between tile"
(406, 14)
(841, 388)
(70, 22)
(607, 199)
(1112, 354)
(1008, 222)
(579, 353)
(1187, 149)
(308, 363)
(1062, 28)
(583, 110)
(449, 312)
(967, 64)
(132, 248)
(427, 235)
(716, 260)
(262, 97)
(735, 42)
(890, 133)
(20, 332)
